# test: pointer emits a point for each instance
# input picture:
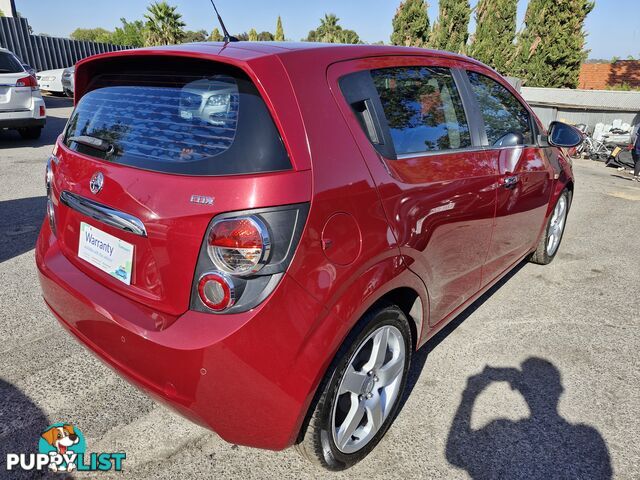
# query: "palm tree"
(329, 30)
(164, 25)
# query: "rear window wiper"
(93, 142)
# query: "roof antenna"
(227, 38)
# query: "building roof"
(609, 100)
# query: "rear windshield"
(9, 63)
(214, 124)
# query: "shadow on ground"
(420, 357)
(20, 222)
(543, 446)
(56, 122)
(630, 178)
(21, 423)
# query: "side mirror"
(511, 139)
(563, 135)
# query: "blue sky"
(613, 26)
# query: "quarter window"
(9, 63)
(501, 111)
(423, 108)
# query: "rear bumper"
(27, 117)
(22, 122)
(241, 375)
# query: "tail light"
(28, 81)
(216, 291)
(239, 246)
(243, 257)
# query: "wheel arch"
(405, 290)
(409, 301)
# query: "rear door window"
(195, 125)
(502, 112)
(423, 109)
(9, 63)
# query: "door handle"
(510, 181)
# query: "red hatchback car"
(260, 235)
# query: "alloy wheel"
(556, 226)
(368, 389)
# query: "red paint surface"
(440, 225)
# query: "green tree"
(216, 36)
(348, 37)
(451, 31)
(550, 48)
(191, 36)
(91, 35)
(411, 24)
(164, 25)
(243, 37)
(330, 31)
(130, 34)
(492, 42)
(253, 35)
(329, 28)
(279, 37)
(265, 37)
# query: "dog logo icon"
(62, 448)
(62, 442)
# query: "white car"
(21, 105)
(51, 80)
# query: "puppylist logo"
(62, 448)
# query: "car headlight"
(221, 100)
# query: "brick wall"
(599, 76)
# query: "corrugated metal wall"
(593, 117)
(43, 52)
(548, 114)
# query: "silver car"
(21, 105)
(211, 100)
(67, 81)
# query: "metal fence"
(43, 52)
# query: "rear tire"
(30, 133)
(335, 435)
(549, 243)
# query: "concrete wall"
(8, 7)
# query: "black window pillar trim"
(359, 87)
(471, 108)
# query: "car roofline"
(237, 51)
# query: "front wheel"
(360, 394)
(550, 241)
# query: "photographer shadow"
(542, 446)
(22, 422)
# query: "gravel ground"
(570, 329)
